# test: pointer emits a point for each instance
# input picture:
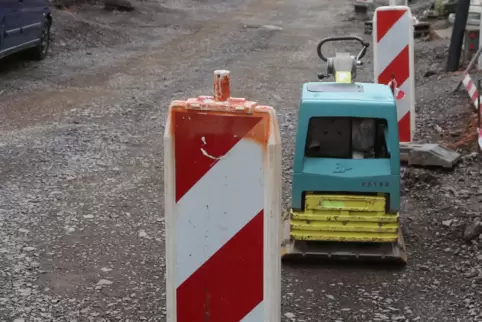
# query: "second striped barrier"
(393, 61)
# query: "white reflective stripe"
(403, 105)
(256, 315)
(467, 80)
(394, 41)
(476, 103)
(472, 90)
(216, 208)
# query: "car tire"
(41, 51)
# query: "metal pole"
(471, 64)
(461, 14)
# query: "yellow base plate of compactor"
(343, 227)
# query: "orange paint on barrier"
(222, 87)
(223, 106)
(214, 126)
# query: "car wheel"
(40, 52)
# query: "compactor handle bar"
(360, 55)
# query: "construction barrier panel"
(479, 137)
(393, 61)
(471, 89)
(479, 58)
(222, 181)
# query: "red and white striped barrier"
(479, 137)
(222, 181)
(471, 89)
(393, 60)
(473, 92)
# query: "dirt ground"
(81, 185)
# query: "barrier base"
(428, 155)
(296, 250)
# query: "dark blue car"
(25, 25)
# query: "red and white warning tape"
(474, 95)
(471, 89)
(397, 92)
(479, 137)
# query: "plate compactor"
(346, 173)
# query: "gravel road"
(81, 212)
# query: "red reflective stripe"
(398, 68)
(404, 128)
(219, 132)
(386, 19)
(469, 85)
(230, 284)
(475, 95)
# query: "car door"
(11, 23)
(32, 12)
